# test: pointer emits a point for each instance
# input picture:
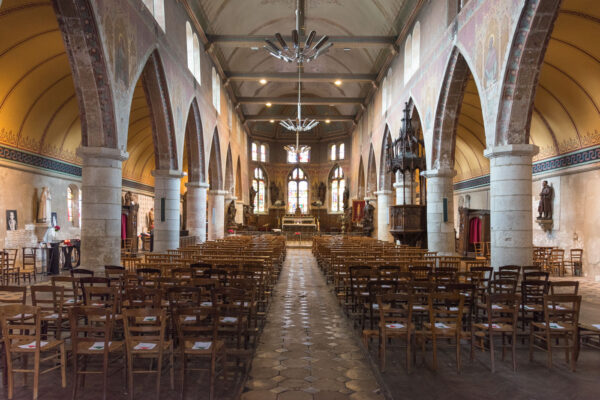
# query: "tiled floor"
(307, 349)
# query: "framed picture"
(11, 220)
(54, 219)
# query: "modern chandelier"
(298, 54)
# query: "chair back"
(50, 299)
(91, 326)
(196, 324)
(564, 287)
(13, 294)
(145, 326)
(444, 309)
(21, 324)
(561, 310)
(395, 310)
(142, 297)
(81, 272)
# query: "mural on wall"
(122, 51)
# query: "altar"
(298, 223)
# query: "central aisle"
(307, 350)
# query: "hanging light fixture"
(298, 53)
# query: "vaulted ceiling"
(234, 31)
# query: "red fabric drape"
(123, 226)
(358, 209)
(474, 230)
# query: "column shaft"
(216, 217)
(511, 206)
(196, 209)
(383, 215)
(440, 233)
(167, 193)
(101, 206)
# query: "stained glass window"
(305, 156)
(258, 183)
(69, 204)
(297, 191)
(333, 156)
(263, 153)
(254, 152)
(342, 151)
(293, 157)
(338, 185)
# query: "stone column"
(383, 215)
(440, 233)
(510, 204)
(400, 186)
(101, 183)
(167, 193)
(216, 216)
(196, 209)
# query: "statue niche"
(545, 207)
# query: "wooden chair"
(395, 322)
(71, 291)
(8, 270)
(502, 313)
(198, 334)
(22, 334)
(145, 337)
(50, 300)
(532, 300)
(561, 321)
(81, 272)
(575, 262)
(445, 321)
(233, 318)
(556, 262)
(92, 336)
(29, 264)
(13, 295)
(142, 297)
(564, 287)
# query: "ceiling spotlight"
(272, 121)
(263, 81)
(327, 121)
(337, 82)
(268, 104)
(254, 48)
(346, 48)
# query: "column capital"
(508, 150)
(229, 198)
(218, 192)
(439, 173)
(196, 185)
(167, 173)
(102, 152)
(383, 193)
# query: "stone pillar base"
(196, 209)
(167, 192)
(440, 234)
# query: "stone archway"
(371, 183)
(216, 194)
(360, 194)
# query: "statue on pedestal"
(45, 206)
(346, 197)
(231, 211)
(367, 220)
(545, 204)
(322, 192)
(274, 192)
(252, 197)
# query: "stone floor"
(307, 350)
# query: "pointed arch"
(89, 67)
(238, 179)
(371, 174)
(194, 143)
(521, 75)
(157, 96)
(361, 180)
(297, 190)
(229, 181)
(215, 174)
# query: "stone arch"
(89, 68)
(522, 71)
(157, 96)
(371, 183)
(361, 180)
(385, 176)
(229, 181)
(194, 143)
(215, 173)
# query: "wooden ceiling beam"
(268, 118)
(306, 101)
(306, 77)
(346, 42)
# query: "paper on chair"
(190, 318)
(201, 345)
(441, 325)
(145, 346)
(32, 345)
(150, 319)
(206, 304)
(597, 326)
(229, 319)
(19, 316)
(554, 325)
(394, 326)
(99, 345)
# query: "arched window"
(384, 96)
(407, 58)
(196, 69)
(342, 151)
(189, 39)
(303, 157)
(216, 90)
(338, 185)
(157, 8)
(333, 155)
(254, 151)
(259, 184)
(70, 204)
(263, 153)
(416, 48)
(297, 191)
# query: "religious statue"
(367, 221)
(45, 206)
(545, 205)
(252, 196)
(128, 199)
(346, 197)
(231, 215)
(322, 192)
(247, 215)
(274, 192)
(151, 219)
